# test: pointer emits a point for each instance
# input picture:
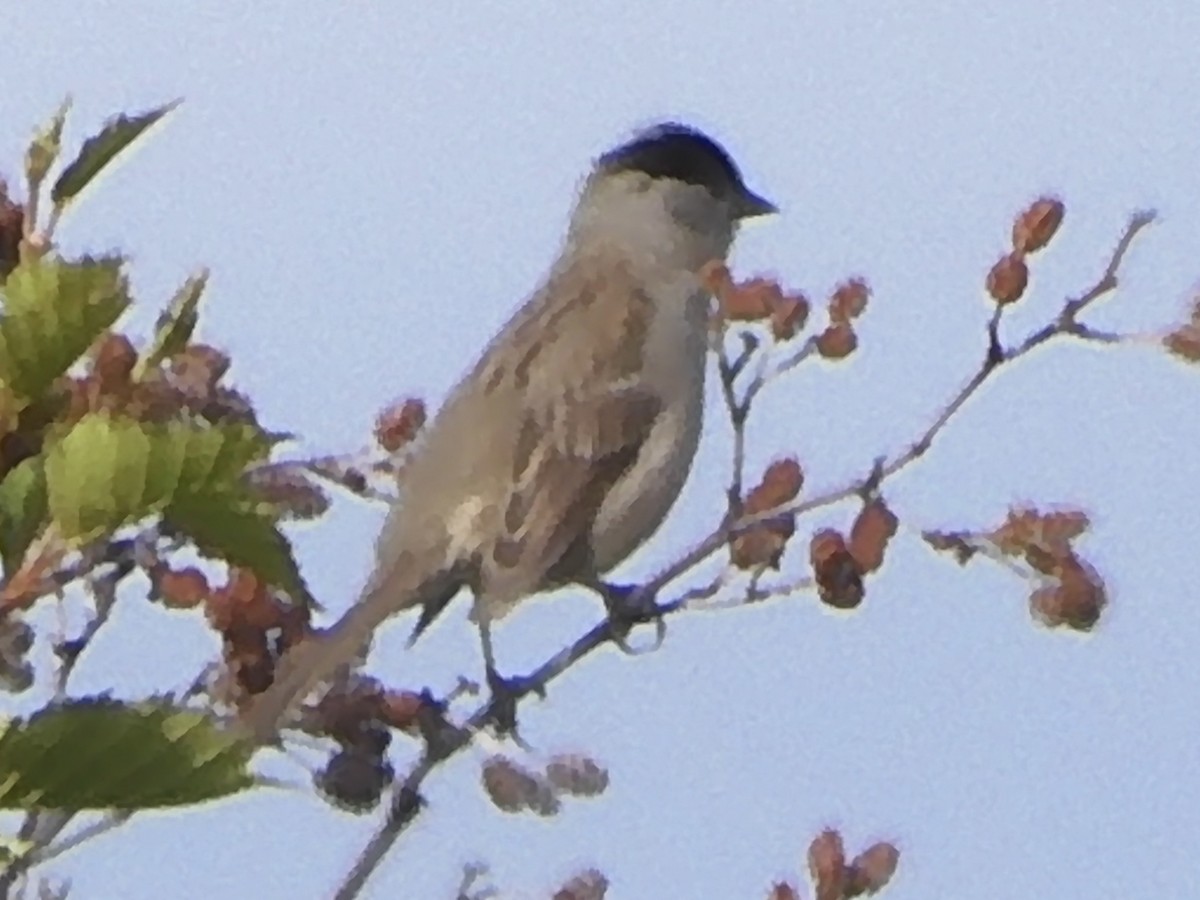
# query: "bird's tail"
(318, 657)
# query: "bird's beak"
(752, 205)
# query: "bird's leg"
(506, 692)
(627, 605)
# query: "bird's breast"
(639, 502)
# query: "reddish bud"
(1064, 525)
(400, 709)
(788, 316)
(1184, 342)
(1008, 279)
(872, 869)
(513, 788)
(589, 885)
(827, 865)
(350, 712)
(1034, 228)
(869, 536)
(783, 891)
(1077, 600)
(245, 601)
(1051, 532)
(751, 300)
(781, 483)
(112, 363)
(849, 300)
(184, 589)
(400, 423)
(578, 775)
(763, 544)
(839, 581)
(837, 341)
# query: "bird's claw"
(626, 606)
(506, 694)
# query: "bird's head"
(669, 183)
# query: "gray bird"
(568, 442)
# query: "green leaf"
(22, 510)
(175, 326)
(43, 150)
(219, 454)
(164, 468)
(242, 446)
(107, 471)
(230, 526)
(101, 149)
(101, 754)
(96, 476)
(54, 311)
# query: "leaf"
(175, 326)
(101, 149)
(164, 468)
(102, 754)
(243, 445)
(107, 471)
(43, 150)
(54, 311)
(216, 507)
(11, 407)
(219, 454)
(96, 476)
(229, 526)
(22, 510)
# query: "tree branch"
(407, 803)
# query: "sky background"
(375, 186)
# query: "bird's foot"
(507, 692)
(628, 605)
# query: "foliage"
(115, 461)
(110, 461)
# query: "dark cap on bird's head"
(683, 153)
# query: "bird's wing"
(574, 358)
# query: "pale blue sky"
(376, 185)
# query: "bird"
(564, 447)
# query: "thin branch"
(728, 372)
(38, 855)
(407, 802)
(124, 555)
(353, 472)
(766, 376)
(1065, 325)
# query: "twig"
(1065, 324)
(351, 472)
(124, 556)
(407, 802)
(38, 855)
(765, 376)
(728, 370)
